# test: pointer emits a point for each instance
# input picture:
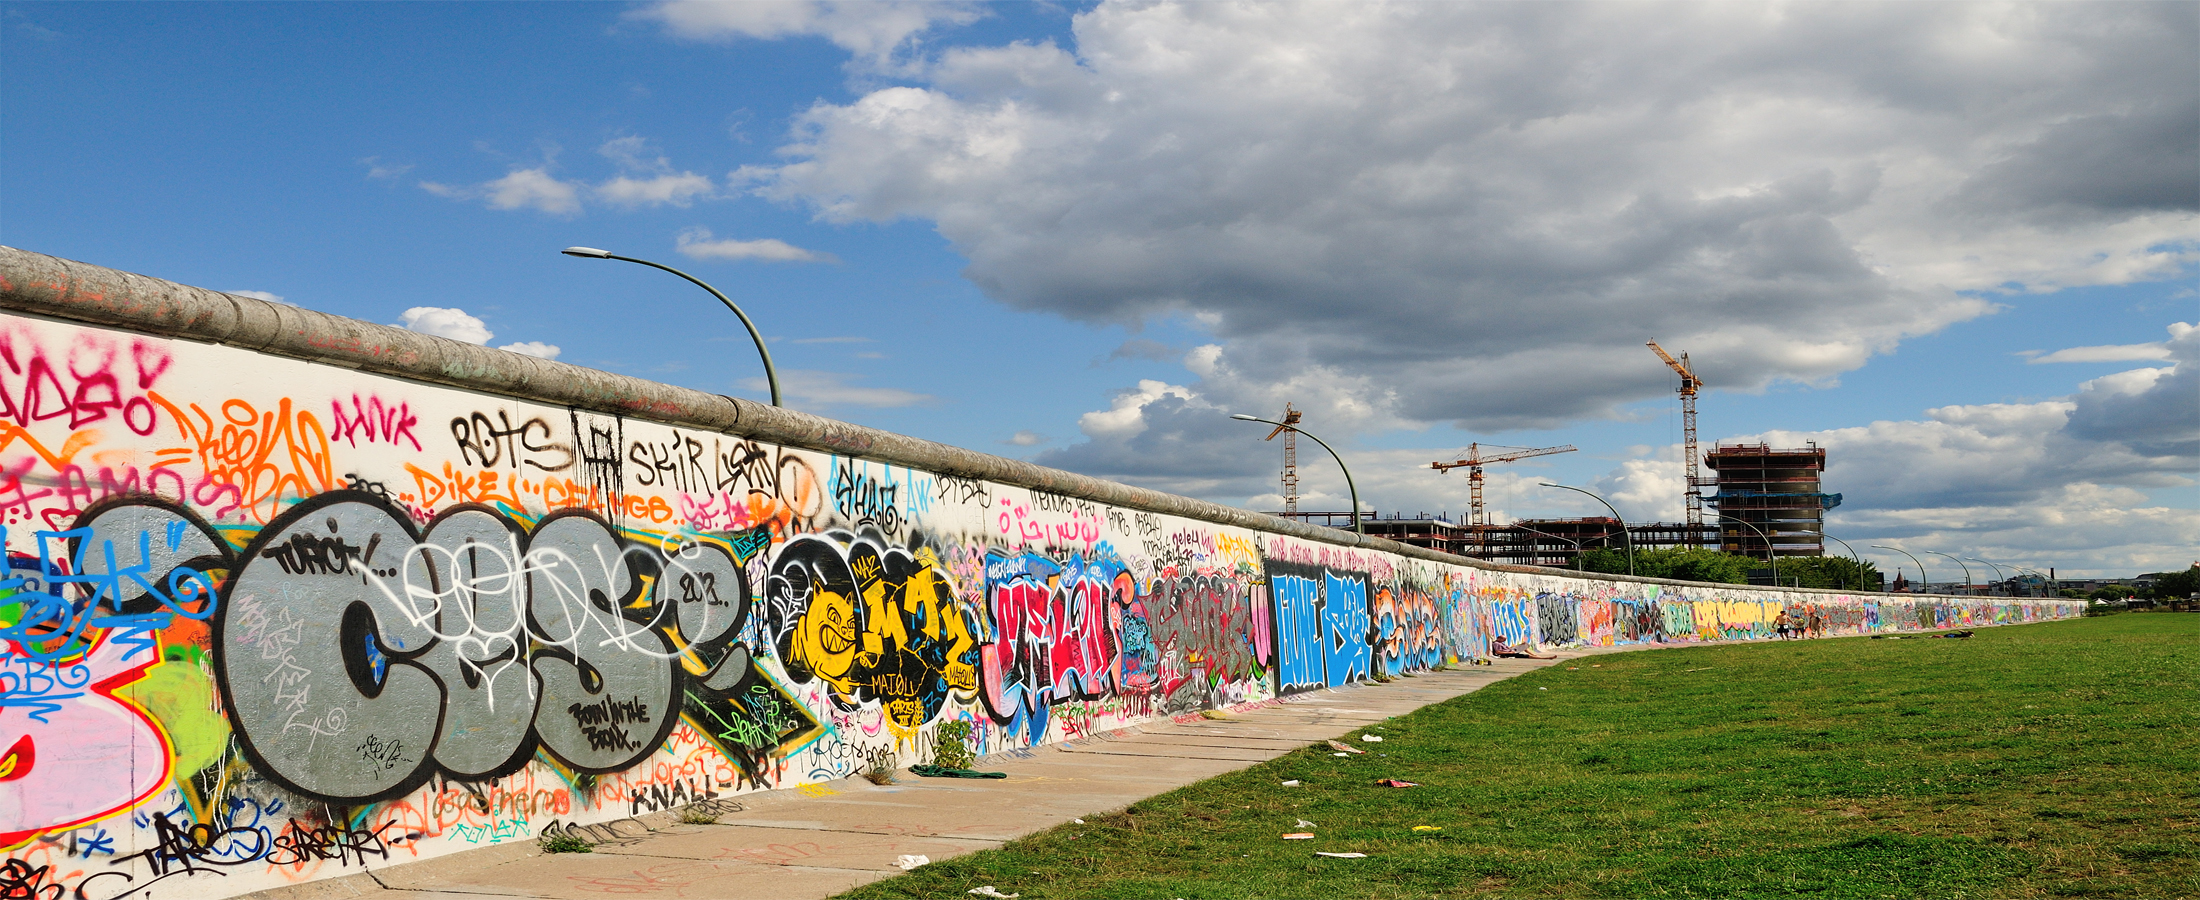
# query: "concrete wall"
(290, 595)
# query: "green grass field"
(2051, 760)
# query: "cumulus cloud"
(697, 243)
(2105, 353)
(262, 295)
(812, 389)
(533, 348)
(1514, 196)
(645, 178)
(534, 189)
(453, 323)
(1026, 439)
(460, 325)
(870, 30)
(2061, 478)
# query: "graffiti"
(873, 622)
(1057, 633)
(373, 421)
(1322, 626)
(259, 629)
(488, 444)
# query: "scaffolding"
(1769, 499)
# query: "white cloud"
(533, 348)
(871, 31)
(453, 323)
(1026, 439)
(379, 170)
(533, 189)
(2057, 482)
(262, 295)
(1419, 197)
(646, 180)
(2105, 353)
(696, 243)
(809, 388)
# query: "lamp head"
(586, 252)
(1245, 418)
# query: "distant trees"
(2176, 585)
(1680, 563)
(1677, 562)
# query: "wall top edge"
(49, 286)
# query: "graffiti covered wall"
(267, 620)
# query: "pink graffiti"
(373, 421)
(71, 752)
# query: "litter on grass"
(1299, 836)
(1340, 754)
(988, 891)
(1427, 829)
(1078, 821)
(908, 861)
(1341, 855)
(1372, 738)
(1344, 747)
(1393, 782)
(1306, 824)
(1292, 783)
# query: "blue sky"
(1084, 233)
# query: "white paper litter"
(988, 891)
(1321, 853)
(1292, 783)
(1306, 824)
(908, 861)
(1078, 821)
(1372, 738)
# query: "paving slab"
(820, 840)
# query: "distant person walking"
(1783, 625)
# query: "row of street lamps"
(771, 377)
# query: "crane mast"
(1290, 459)
(1473, 463)
(1689, 384)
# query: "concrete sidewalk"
(820, 840)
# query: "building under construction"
(1769, 499)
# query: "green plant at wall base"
(696, 815)
(565, 843)
(951, 747)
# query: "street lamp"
(771, 376)
(1356, 526)
(1625, 539)
(1921, 576)
(1967, 591)
(2045, 591)
(1770, 560)
(1997, 574)
(1852, 555)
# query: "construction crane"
(1290, 459)
(1474, 461)
(1689, 384)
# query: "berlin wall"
(291, 596)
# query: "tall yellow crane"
(1689, 384)
(1473, 463)
(1290, 459)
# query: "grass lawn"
(2050, 760)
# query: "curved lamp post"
(1967, 591)
(1921, 576)
(1356, 526)
(1770, 560)
(771, 376)
(2045, 591)
(1852, 555)
(1626, 540)
(1579, 563)
(1997, 574)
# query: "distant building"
(1769, 498)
